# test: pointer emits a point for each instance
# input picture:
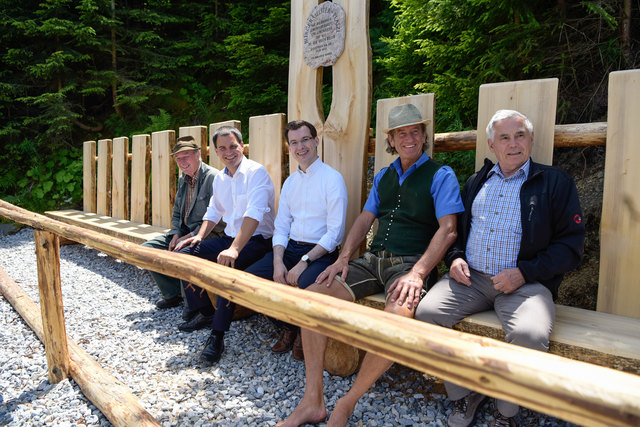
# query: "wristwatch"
(305, 258)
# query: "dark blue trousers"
(264, 268)
(254, 250)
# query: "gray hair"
(226, 130)
(506, 114)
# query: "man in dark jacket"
(192, 199)
(520, 232)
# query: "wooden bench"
(109, 204)
(606, 339)
(589, 336)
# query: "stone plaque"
(324, 35)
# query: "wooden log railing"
(575, 391)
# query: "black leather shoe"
(213, 349)
(199, 321)
(168, 303)
(187, 313)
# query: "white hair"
(506, 114)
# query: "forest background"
(76, 70)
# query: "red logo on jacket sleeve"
(577, 219)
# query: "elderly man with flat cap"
(416, 202)
(192, 198)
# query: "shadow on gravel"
(28, 396)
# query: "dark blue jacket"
(552, 224)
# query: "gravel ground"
(109, 312)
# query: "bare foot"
(341, 413)
(305, 413)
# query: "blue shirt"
(445, 189)
(496, 226)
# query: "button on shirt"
(496, 227)
(445, 189)
(313, 207)
(248, 193)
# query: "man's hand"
(508, 280)
(175, 240)
(341, 266)
(279, 272)
(188, 241)
(407, 289)
(459, 271)
(228, 257)
(295, 272)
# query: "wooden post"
(120, 175)
(268, 146)
(140, 168)
(163, 177)
(103, 202)
(109, 395)
(55, 334)
(618, 290)
(89, 176)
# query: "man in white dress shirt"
(245, 201)
(309, 225)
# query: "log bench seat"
(586, 335)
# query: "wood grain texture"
(55, 338)
(346, 130)
(120, 178)
(140, 178)
(618, 290)
(304, 100)
(536, 99)
(109, 395)
(426, 104)
(213, 127)
(268, 147)
(163, 178)
(103, 201)
(578, 392)
(89, 176)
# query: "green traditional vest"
(406, 215)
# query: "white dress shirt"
(313, 207)
(248, 193)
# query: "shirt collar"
(242, 167)
(523, 170)
(397, 163)
(313, 167)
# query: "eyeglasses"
(293, 142)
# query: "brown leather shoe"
(285, 342)
(297, 351)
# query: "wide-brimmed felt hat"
(404, 115)
(185, 146)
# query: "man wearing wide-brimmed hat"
(192, 199)
(416, 201)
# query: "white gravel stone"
(110, 312)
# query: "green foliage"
(72, 71)
(50, 182)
